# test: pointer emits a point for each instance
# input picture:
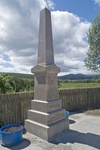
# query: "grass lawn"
(93, 112)
(78, 85)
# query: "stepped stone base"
(46, 119)
(46, 106)
(45, 132)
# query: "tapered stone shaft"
(45, 45)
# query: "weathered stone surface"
(46, 118)
(45, 106)
(46, 87)
(45, 46)
(47, 132)
(43, 69)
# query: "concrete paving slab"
(84, 134)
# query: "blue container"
(67, 114)
(11, 138)
(0, 136)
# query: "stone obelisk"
(46, 118)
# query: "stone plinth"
(46, 118)
(47, 132)
(46, 83)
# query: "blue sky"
(19, 26)
(85, 9)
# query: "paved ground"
(84, 134)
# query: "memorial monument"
(47, 118)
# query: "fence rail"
(13, 107)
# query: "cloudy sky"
(19, 25)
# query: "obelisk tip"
(45, 9)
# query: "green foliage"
(1, 124)
(92, 61)
(14, 84)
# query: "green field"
(93, 112)
(78, 85)
(14, 83)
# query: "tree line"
(14, 84)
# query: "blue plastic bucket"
(11, 138)
(67, 114)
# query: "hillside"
(65, 77)
(78, 77)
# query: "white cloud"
(50, 4)
(1, 61)
(19, 20)
(97, 2)
(69, 41)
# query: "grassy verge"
(93, 112)
(78, 85)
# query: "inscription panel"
(40, 86)
(52, 92)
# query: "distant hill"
(78, 77)
(65, 77)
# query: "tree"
(2, 85)
(92, 60)
(15, 83)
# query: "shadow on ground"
(73, 136)
(71, 121)
(25, 143)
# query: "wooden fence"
(13, 107)
(80, 99)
